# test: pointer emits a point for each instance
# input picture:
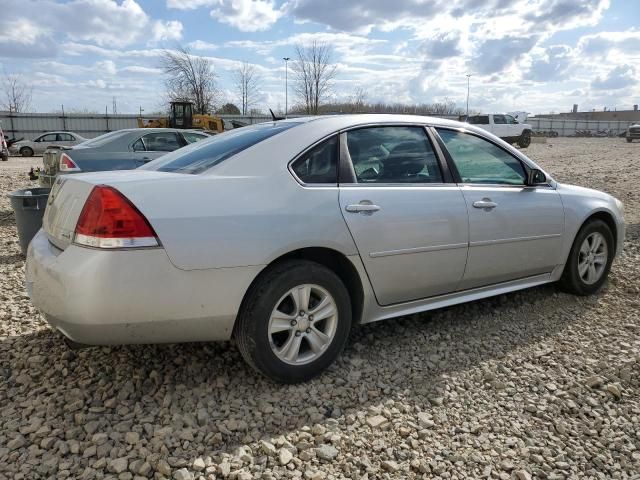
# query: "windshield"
(201, 156)
(102, 139)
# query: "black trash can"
(28, 205)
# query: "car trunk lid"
(65, 203)
(70, 192)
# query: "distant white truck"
(504, 126)
(633, 133)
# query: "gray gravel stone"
(533, 384)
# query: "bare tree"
(190, 78)
(247, 80)
(357, 100)
(314, 72)
(17, 94)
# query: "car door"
(44, 142)
(512, 126)
(65, 140)
(409, 224)
(155, 144)
(515, 230)
(500, 127)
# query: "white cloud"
(619, 77)
(247, 15)
(189, 4)
(169, 30)
(201, 45)
(142, 70)
(23, 38)
(602, 43)
(106, 23)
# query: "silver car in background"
(37, 146)
(285, 234)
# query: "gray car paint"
(249, 210)
(116, 154)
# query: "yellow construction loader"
(182, 116)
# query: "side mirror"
(536, 177)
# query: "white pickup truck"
(504, 126)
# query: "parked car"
(504, 126)
(119, 150)
(29, 148)
(633, 133)
(285, 234)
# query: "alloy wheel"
(303, 324)
(592, 258)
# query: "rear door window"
(479, 120)
(393, 155)
(162, 141)
(320, 164)
(193, 137)
(138, 146)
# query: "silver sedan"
(284, 235)
(37, 146)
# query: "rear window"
(479, 120)
(102, 139)
(201, 156)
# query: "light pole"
(286, 85)
(468, 78)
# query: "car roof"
(354, 120)
(60, 131)
(153, 130)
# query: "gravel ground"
(535, 384)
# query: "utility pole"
(141, 110)
(286, 85)
(468, 78)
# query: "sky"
(534, 55)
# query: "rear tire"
(525, 139)
(590, 259)
(26, 152)
(276, 331)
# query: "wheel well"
(334, 261)
(611, 223)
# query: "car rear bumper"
(97, 297)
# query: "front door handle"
(366, 208)
(485, 203)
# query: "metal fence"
(30, 125)
(549, 127)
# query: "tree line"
(192, 78)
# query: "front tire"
(525, 139)
(294, 322)
(629, 139)
(26, 152)
(590, 259)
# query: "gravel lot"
(536, 384)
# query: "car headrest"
(403, 164)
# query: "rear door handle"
(485, 203)
(367, 208)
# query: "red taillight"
(68, 165)
(109, 220)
